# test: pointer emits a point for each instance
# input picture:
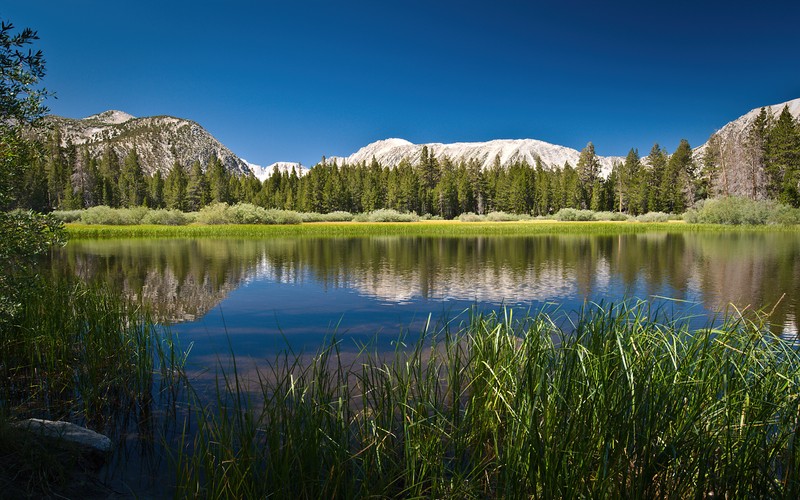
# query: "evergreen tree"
(132, 186)
(109, 171)
(588, 170)
(57, 171)
(155, 195)
(656, 166)
(217, 179)
(712, 168)
(676, 188)
(544, 189)
(755, 151)
(197, 193)
(175, 188)
(428, 178)
(783, 159)
(632, 188)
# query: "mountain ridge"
(159, 140)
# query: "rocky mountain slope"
(391, 152)
(742, 170)
(159, 140)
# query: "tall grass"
(619, 404)
(79, 353)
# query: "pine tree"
(131, 181)
(632, 190)
(676, 186)
(109, 170)
(783, 159)
(656, 166)
(175, 187)
(217, 179)
(57, 171)
(588, 170)
(755, 151)
(155, 195)
(197, 193)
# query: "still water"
(257, 297)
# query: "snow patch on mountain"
(264, 173)
(390, 152)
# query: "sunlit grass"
(422, 228)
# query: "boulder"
(86, 440)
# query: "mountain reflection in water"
(183, 279)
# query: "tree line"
(768, 166)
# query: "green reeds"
(84, 354)
(623, 404)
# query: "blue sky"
(292, 81)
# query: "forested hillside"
(756, 156)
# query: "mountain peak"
(110, 117)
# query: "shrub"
(103, 214)
(68, 215)
(166, 217)
(653, 217)
(471, 217)
(217, 213)
(503, 217)
(275, 216)
(387, 215)
(735, 210)
(784, 215)
(338, 216)
(245, 213)
(610, 216)
(573, 214)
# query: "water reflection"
(184, 279)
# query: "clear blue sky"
(295, 80)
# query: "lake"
(257, 297)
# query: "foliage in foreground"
(623, 406)
(83, 354)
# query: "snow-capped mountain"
(263, 173)
(159, 140)
(391, 152)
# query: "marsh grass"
(83, 354)
(622, 403)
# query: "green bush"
(338, 216)
(68, 215)
(217, 213)
(736, 210)
(610, 216)
(653, 217)
(386, 215)
(471, 217)
(166, 217)
(105, 215)
(275, 216)
(505, 217)
(573, 214)
(245, 213)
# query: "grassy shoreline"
(422, 228)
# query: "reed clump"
(618, 403)
(85, 354)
